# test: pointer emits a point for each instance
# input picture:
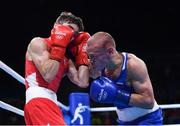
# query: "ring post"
(80, 109)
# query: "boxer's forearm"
(79, 76)
(83, 76)
(138, 100)
(49, 69)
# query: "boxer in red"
(47, 63)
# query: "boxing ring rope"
(18, 77)
(10, 71)
(11, 108)
(109, 109)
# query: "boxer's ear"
(110, 50)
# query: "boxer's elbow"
(49, 72)
(79, 82)
(48, 78)
(149, 101)
(83, 84)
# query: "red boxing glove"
(79, 49)
(61, 36)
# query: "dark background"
(149, 30)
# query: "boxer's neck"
(116, 63)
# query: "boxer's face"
(98, 57)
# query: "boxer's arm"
(78, 76)
(38, 53)
(143, 96)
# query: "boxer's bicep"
(140, 78)
(143, 96)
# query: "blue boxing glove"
(104, 90)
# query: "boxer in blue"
(123, 80)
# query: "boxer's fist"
(81, 37)
(104, 90)
(61, 36)
(79, 49)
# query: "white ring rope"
(108, 109)
(12, 72)
(98, 109)
(22, 80)
(11, 108)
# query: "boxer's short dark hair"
(68, 17)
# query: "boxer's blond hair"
(103, 39)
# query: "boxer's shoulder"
(36, 46)
(37, 42)
(134, 61)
